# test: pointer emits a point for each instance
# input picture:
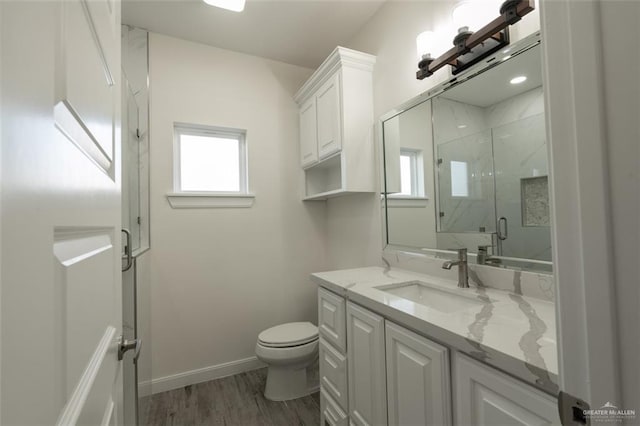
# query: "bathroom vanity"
(402, 348)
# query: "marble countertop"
(514, 333)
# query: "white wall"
(355, 237)
(220, 276)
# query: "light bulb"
(425, 44)
(474, 14)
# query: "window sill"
(407, 201)
(209, 200)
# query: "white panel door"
(485, 396)
(366, 367)
(61, 282)
(418, 379)
(308, 133)
(329, 113)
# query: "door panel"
(366, 367)
(418, 388)
(60, 199)
(329, 118)
(485, 396)
(331, 319)
(86, 61)
(308, 133)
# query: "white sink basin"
(434, 297)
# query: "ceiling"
(300, 32)
(489, 88)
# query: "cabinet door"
(330, 412)
(329, 117)
(485, 396)
(366, 367)
(331, 319)
(308, 133)
(333, 373)
(418, 383)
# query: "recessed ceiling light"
(462, 126)
(518, 80)
(233, 5)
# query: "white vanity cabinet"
(366, 364)
(418, 379)
(485, 396)
(336, 126)
(376, 372)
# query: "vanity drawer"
(333, 373)
(330, 412)
(331, 319)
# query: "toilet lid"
(290, 334)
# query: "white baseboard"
(199, 375)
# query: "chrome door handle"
(503, 235)
(127, 251)
(125, 345)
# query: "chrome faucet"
(463, 272)
(483, 257)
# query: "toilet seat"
(288, 335)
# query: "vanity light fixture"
(425, 46)
(471, 47)
(233, 5)
(519, 79)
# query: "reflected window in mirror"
(411, 173)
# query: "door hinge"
(439, 161)
(572, 410)
(441, 214)
(138, 133)
(139, 220)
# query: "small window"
(459, 179)
(210, 160)
(411, 174)
(209, 168)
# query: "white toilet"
(290, 350)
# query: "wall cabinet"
(485, 396)
(336, 126)
(418, 382)
(383, 373)
(366, 361)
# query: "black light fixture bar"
(492, 37)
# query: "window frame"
(418, 197)
(210, 131)
(180, 199)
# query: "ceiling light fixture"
(471, 47)
(519, 79)
(233, 5)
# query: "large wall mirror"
(466, 164)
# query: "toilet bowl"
(290, 351)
